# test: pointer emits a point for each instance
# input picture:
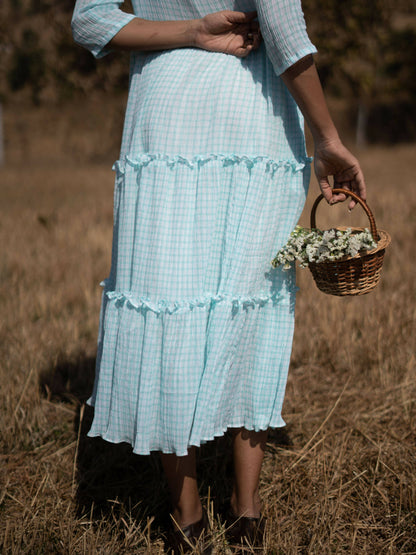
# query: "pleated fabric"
(196, 326)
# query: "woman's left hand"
(333, 159)
(235, 33)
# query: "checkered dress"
(196, 326)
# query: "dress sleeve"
(95, 22)
(284, 32)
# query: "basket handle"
(362, 203)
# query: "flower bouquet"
(313, 245)
(343, 261)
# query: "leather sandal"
(184, 540)
(245, 530)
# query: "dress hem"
(180, 452)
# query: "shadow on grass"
(113, 482)
(68, 379)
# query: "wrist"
(325, 136)
(194, 31)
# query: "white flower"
(313, 245)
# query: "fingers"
(244, 51)
(250, 31)
(338, 197)
(243, 32)
(326, 189)
(336, 161)
(356, 184)
(251, 41)
(334, 198)
(241, 17)
(361, 188)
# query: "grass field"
(340, 478)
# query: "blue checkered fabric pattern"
(196, 326)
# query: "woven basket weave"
(355, 275)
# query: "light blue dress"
(196, 326)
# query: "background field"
(339, 479)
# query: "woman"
(196, 327)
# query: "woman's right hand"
(333, 159)
(235, 33)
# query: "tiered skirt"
(196, 326)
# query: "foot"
(184, 539)
(245, 530)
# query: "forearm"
(142, 34)
(303, 82)
(101, 27)
(331, 158)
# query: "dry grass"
(340, 479)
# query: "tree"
(359, 59)
(41, 60)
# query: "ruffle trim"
(199, 160)
(164, 306)
(140, 449)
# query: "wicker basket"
(355, 275)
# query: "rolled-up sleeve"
(95, 22)
(284, 32)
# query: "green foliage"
(350, 37)
(41, 60)
(366, 55)
(27, 65)
(399, 60)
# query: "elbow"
(78, 29)
(94, 24)
(83, 28)
(299, 67)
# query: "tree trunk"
(1, 137)
(362, 121)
